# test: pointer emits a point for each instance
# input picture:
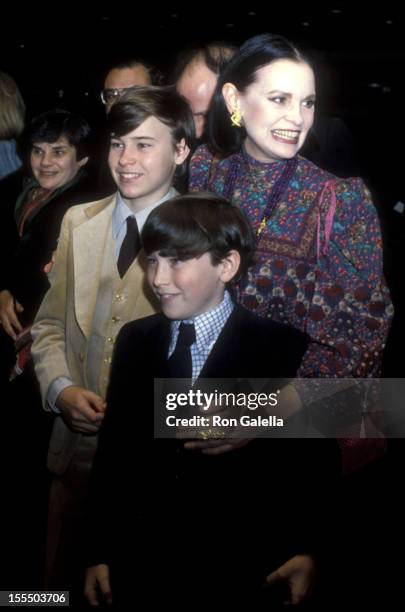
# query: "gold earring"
(236, 118)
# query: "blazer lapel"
(89, 243)
(159, 346)
(225, 356)
(135, 279)
(162, 348)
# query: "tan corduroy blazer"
(63, 324)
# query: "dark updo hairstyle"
(255, 53)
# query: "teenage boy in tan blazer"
(97, 285)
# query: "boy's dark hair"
(54, 124)
(190, 225)
(164, 103)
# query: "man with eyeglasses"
(126, 76)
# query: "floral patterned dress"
(318, 263)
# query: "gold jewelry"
(236, 118)
(262, 225)
(211, 433)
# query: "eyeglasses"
(109, 96)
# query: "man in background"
(195, 76)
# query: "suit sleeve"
(10, 187)
(114, 459)
(49, 329)
(291, 349)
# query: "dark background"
(59, 56)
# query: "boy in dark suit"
(196, 245)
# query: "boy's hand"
(48, 267)
(97, 582)
(82, 410)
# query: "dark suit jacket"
(152, 499)
(23, 257)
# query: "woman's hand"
(9, 308)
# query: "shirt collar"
(122, 211)
(208, 325)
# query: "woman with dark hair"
(318, 264)
(56, 145)
(318, 259)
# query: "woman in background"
(12, 113)
(56, 143)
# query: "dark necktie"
(180, 364)
(130, 247)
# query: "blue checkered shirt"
(207, 326)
